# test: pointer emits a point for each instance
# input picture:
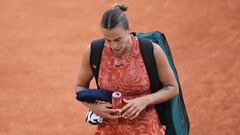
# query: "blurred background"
(40, 51)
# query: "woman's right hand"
(103, 109)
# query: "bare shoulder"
(87, 50)
(158, 52)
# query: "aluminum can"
(117, 100)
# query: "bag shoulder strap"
(146, 48)
(95, 57)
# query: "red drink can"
(117, 103)
(117, 100)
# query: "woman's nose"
(113, 45)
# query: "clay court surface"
(41, 44)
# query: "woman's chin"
(118, 53)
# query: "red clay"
(41, 44)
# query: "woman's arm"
(84, 76)
(166, 76)
(169, 90)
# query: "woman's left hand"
(133, 107)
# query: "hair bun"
(121, 6)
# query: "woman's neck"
(129, 46)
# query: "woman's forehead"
(112, 34)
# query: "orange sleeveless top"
(127, 74)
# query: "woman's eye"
(107, 40)
(117, 40)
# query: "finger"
(108, 105)
(136, 115)
(112, 116)
(100, 102)
(113, 111)
(131, 114)
(105, 102)
(125, 100)
(128, 112)
(124, 108)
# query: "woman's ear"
(129, 30)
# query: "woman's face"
(118, 39)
